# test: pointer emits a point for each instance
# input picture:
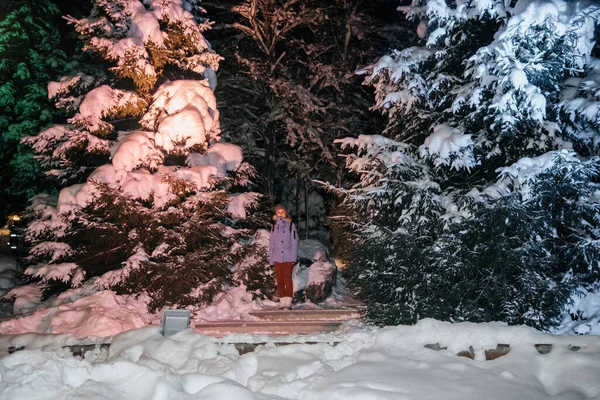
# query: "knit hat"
(281, 207)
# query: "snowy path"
(365, 364)
(282, 322)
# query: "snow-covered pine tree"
(493, 87)
(156, 204)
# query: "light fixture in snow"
(174, 321)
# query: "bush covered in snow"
(478, 203)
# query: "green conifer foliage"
(480, 203)
(30, 56)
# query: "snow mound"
(101, 314)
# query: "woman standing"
(283, 253)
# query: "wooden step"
(223, 328)
(307, 315)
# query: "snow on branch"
(525, 64)
(47, 223)
(527, 169)
(449, 146)
(446, 15)
(128, 33)
(103, 102)
(240, 202)
(61, 272)
(184, 114)
(224, 156)
(136, 149)
(66, 91)
(54, 250)
(114, 277)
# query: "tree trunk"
(270, 161)
(305, 211)
(297, 202)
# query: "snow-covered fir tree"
(155, 204)
(479, 203)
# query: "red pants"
(283, 273)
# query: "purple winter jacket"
(283, 243)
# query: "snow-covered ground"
(356, 363)
(88, 311)
(390, 363)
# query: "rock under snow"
(315, 274)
